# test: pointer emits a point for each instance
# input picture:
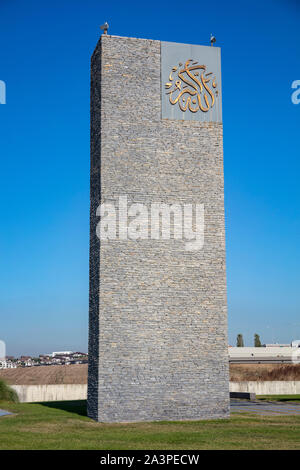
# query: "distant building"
(62, 353)
(273, 353)
(79, 354)
(296, 343)
(7, 365)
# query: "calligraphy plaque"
(191, 82)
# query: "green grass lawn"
(64, 425)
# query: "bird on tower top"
(104, 27)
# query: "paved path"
(264, 408)
(3, 413)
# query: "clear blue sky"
(44, 60)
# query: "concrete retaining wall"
(36, 393)
(275, 387)
(40, 393)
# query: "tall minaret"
(158, 315)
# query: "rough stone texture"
(158, 318)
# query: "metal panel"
(191, 82)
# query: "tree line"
(240, 341)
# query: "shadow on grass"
(295, 400)
(73, 406)
(279, 398)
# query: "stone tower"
(158, 316)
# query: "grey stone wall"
(158, 318)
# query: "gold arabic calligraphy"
(191, 90)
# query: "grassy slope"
(64, 426)
(77, 373)
(71, 374)
(244, 372)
